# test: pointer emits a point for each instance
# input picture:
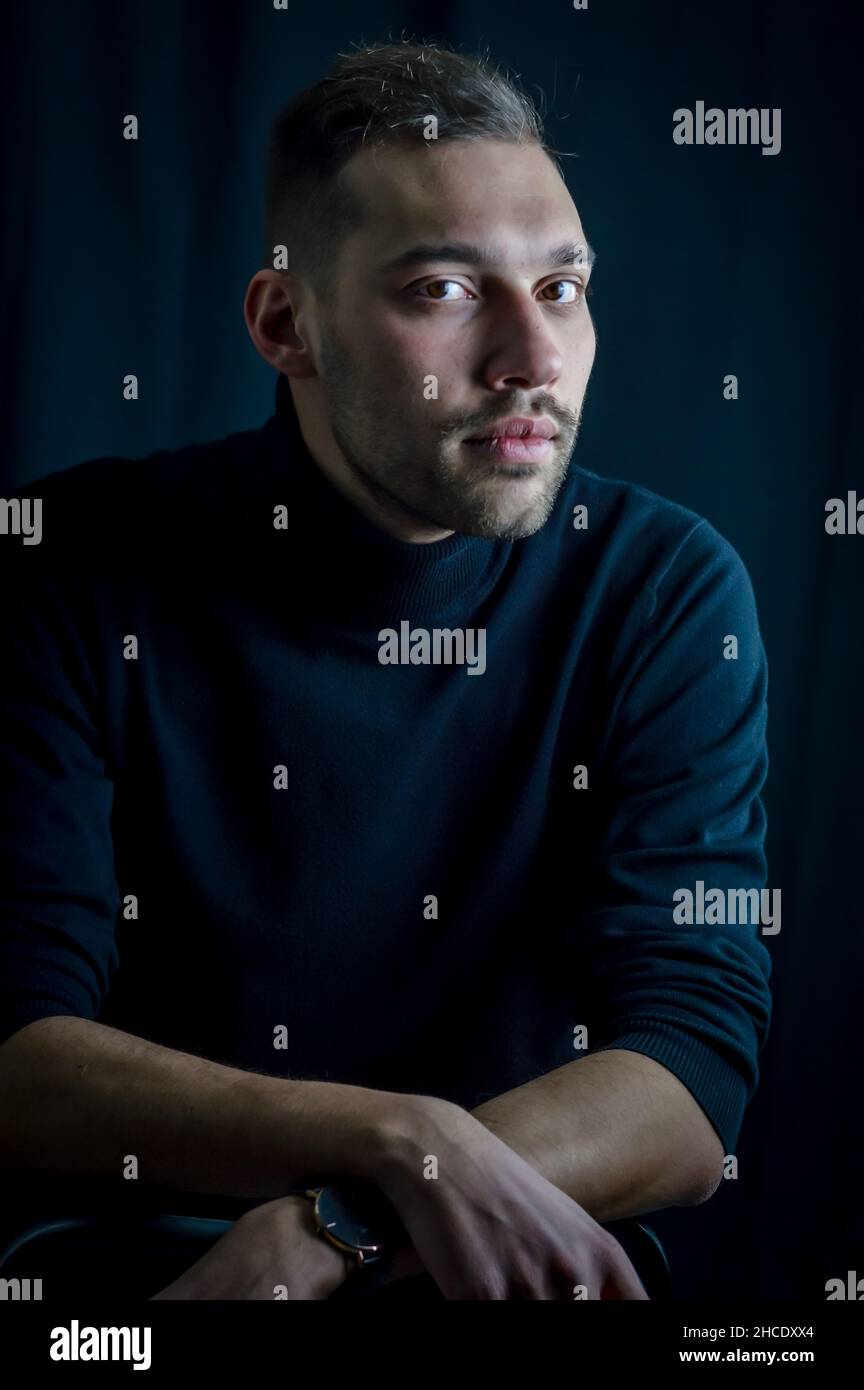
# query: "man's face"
(420, 349)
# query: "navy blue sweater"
(257, 842)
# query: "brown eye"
(575, 285)
(432, 285)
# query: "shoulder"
(652, 538)
(107, 504)
(118, 476)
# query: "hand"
(490, 1226)
(275, 1244)
(400, 1265)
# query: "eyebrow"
(570, 253)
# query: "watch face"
(348, 1217)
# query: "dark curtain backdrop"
(134, 257)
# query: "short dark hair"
(375, 96)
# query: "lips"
(528, 448)
(516, 428)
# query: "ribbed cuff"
(716, 1084)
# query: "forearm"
(615, 1130)
(79, 1097)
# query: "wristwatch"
(359, 1221)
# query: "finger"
(403, 1263)
(622, 1282)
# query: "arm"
(643, 1121)
(77, 1097)
(83, 1096)
(616, 1131)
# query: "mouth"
(531, 448)
(515, 440)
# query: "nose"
(523, 353)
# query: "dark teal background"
(134, 257)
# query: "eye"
(577, 286)
(439, 298)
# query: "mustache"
(561, 415)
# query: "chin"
(509, 528)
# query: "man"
(355, 761)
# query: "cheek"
(409, 352)
(585, 346)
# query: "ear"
(274, 310)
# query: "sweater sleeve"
(58, 894)
(684, 763)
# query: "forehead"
(499, 194)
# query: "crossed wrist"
(424, 1125)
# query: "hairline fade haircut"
(376, 96)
